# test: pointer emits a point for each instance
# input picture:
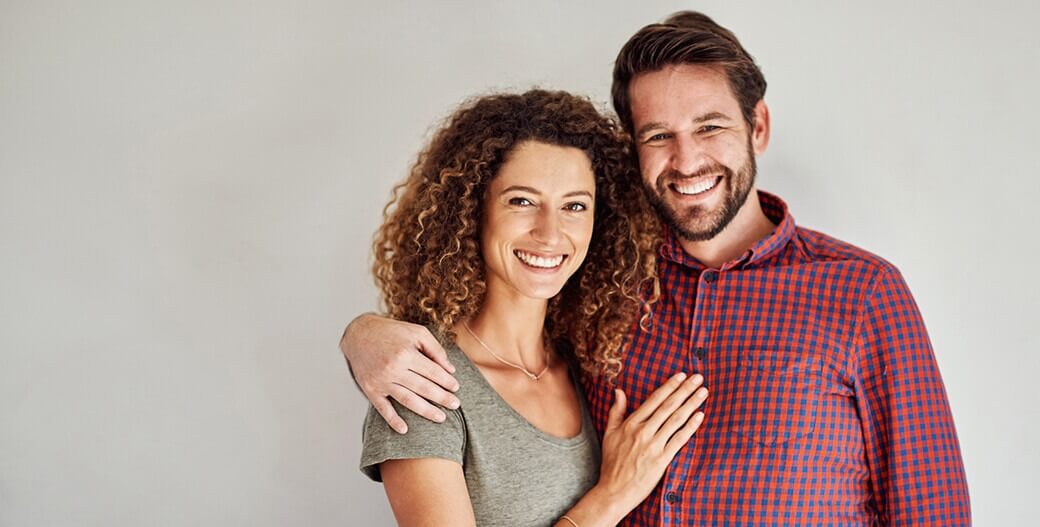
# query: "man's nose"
(687, 156)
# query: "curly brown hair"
(428, 261)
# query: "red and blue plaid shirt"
(826, 406)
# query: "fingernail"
(680, 376)
(439, 417)
(455, 387)
(697, 378)
(401, 429)
(454, 404)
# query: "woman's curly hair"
(428, 261)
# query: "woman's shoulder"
(466, 371)
(424, 438)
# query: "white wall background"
(188, 190)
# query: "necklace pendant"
(532, 376)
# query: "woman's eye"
(576, 207)
(520, 202)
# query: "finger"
(387, 412)
(417, 404)
(674, 400)
(617, 410)
(433, 349)
(423, 387)
(681, 415)
(677, 441)
(433, 371)
(659, 396)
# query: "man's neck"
(745, 230)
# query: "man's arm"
(389, 358)
(911, 444)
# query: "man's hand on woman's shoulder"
(390, 358)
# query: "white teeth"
(703, 185)
(539, 261)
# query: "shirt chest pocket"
(768, 397)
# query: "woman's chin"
(540, 291)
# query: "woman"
(486, 244)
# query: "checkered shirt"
(826, 405)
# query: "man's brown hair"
(687, 37)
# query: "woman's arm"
(431, 490)
(427, 492)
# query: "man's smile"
(692, 187)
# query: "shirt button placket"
(700, 351)
(671, 516)
(709, 276)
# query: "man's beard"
(689, 223)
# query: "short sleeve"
(424, 439)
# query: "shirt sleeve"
(911, 445)
(424, 439)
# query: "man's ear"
(760, 133)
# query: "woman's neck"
(513, 328)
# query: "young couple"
(525, 255)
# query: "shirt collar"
(774, 208)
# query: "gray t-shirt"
(516, 474)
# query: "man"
(827, 406)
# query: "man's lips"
(694, 186)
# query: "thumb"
(617, 410)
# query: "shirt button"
(671, 497)
(710, 276)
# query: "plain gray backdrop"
(189, 191)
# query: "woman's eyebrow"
(521, 188)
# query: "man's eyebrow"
(711, 116)
(647, 127)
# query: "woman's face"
(537, 220)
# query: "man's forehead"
(694, 88)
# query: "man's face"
(696, 152)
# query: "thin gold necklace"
(508, 363)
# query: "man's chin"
(697, 229)
(697, 235)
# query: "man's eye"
(710, 128)
(520, 202)
(576, 207)
(657, 137)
